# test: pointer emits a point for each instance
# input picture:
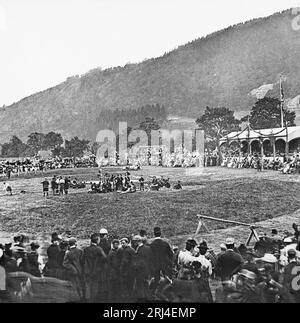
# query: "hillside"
(227, 68)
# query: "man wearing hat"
(105, 244)
(51, 267)
(33, 260)
(206, 263)
(127, 255)
(271, 291)
(162, 257)
(228, 263)
(73, 264)
(93, 262)
(143, 268)
(250, 263)
(246, 286)
(114, 261)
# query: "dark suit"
(114, 262)
(143, 263)
(105, 245)
(51, 268)
(73, 264)
(33, 264)
(127, 260)
(162, 259)
(228, 263)
(93, 261)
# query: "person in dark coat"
(228, 263)
(143, 262)
(61, 270)
(53, 185)
(33, 263)
(114, 262)
(51, 267)
(104, 242)
(73, 264)
(67, 185)
(142, 183)
(93, 262)
(127, 255)
(106, 247)
(162, 257)
(10, 262)
(45, 184)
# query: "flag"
(281, 92)
(281, 105)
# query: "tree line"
(216, 122)
(51, 141)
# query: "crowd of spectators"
(143, 268)
(26, 166)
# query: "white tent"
(249, 135)
(289, 133)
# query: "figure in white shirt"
(187, 262)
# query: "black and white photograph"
(149, 154)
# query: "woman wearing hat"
(185, 260)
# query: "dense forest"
(109, 119)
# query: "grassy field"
(241, 195)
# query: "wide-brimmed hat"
(18, 249)
(223, 246)
(248, 274)
(288, 240)
(229, 241)
(72, 240)
(137, 238)
(269, 258)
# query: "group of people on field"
(123, 183)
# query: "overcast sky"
(45, 41)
